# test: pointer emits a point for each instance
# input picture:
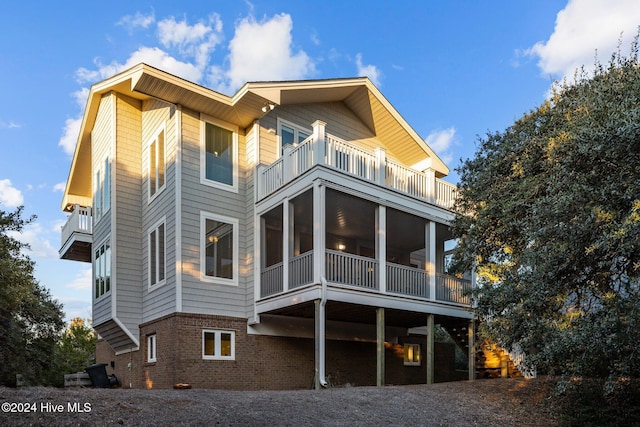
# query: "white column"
(381, 247)
(381, 166)
(318, 141)
(430, 243)
(287, 224)
(287, 164)
(431, 185)
(318, 231)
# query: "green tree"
(549, 216)
(76, 349)
(30, 320)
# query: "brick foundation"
(261, 362)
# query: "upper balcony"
(374, 167)
(77, 235)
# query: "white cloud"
(9, 125)
(82, 281)
(441, 142)
(370, 71)
(75, 307)
(197, 41)
(262, 51)
(70, 135)
(9, 195)
(33, 235)
(132, 22)
(583, 27)
(60, 186)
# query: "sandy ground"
(498, 402)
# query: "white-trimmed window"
(157, 254)
(151, 348)
(412, 355)
(219, 154)
(102, 269)
(219, 249)
(102, 190)
(291, 134)
(218, 345)
(156, 163)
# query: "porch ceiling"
(355, 313)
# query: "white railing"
(79, 221)
(405, 280)
(301, 270)
(272, 177)
(271, 280)
(353, 160)
(362, 272)
(445, 194)
(302, 157)
(517, 357)
(352, 270)
(452, 289)
(406, 180)
(350, 159)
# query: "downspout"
(321, 332)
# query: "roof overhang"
(243, 108)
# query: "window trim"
(95, 266)
(155, 227)
(102, 190)
(217, 344)
(161, 130)
(204, 216)
(204, 119)
(152, 348)
(296, 128)
(413, 361)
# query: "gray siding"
(199, 296)
(102, 137)
(127, 250)
(159, 300)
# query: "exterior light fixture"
(268, 106)
(342, 246)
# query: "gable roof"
(244, 107)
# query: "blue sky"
(453, 69)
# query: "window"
(291, 134)
(102, 269)
(151, 348)
(157, 256)
(218, 345)
(412, 354)
(219, 156)
(156, 164)
(102, 190)
(219, 249)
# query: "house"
(293, 234)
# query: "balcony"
(362, 273)
(374, 167)
(77, 235)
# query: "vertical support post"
(318, 231)
(381, 247)
(431, 332)
(431, 185)
(380, 347)
(430, 242)
(286, 242)
(318, 141)
(319, 344)
(259, 181)
(288, 165)
(261, 260)
(381, 166)
(472, 350)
